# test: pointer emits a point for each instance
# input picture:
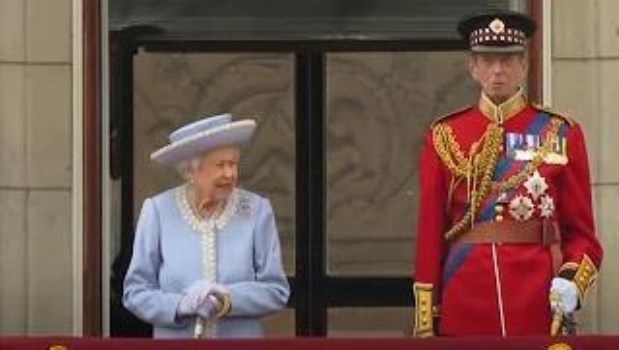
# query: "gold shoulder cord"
(478, 169)
(447, 148)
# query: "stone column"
(35, 167)
(585, 70)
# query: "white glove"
(185, 307)
(565, 295)
(199, 291)
(194, 297)
(208, 309)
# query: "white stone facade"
(36, 155)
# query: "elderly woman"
(206, 256)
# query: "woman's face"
(215, 174)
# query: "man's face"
(499, 74)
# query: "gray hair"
(185, 167)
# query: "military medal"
(558, 153)
(524, 147)
(521, 147)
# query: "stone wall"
(35, 167)
(35, 147)
(585, 83)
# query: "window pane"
(174, 89)
(378, 106)
(358, 322)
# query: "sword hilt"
(557, 316)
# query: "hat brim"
(497, 49)
(233, 134)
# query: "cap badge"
(497, 26)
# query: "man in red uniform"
(505, 240)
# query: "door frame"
(310, 321)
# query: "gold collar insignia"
(504, 111)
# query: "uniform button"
(499, 218)
(498, 208)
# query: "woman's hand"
(208, 309)
(199, 291)
(204, 299)
(194, 298)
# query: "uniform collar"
(504, 111)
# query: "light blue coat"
(167, 258)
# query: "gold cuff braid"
(424, 323)
(585, 276)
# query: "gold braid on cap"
(479, 167)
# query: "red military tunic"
(500, 289)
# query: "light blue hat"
(202, 136)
